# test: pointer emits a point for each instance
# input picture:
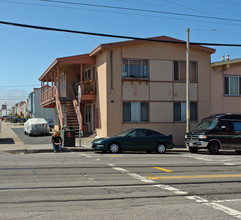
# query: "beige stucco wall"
(161, 112)
(101, 95)
(135, 91)
(160, 91)
(219, 102)
(160, 70)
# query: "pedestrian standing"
(56, 142)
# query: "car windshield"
(208, 123)
(123, 134)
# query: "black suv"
(220, 131)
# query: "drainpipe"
(111, 72)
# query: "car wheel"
(213, 148)
(161, 148)
(193, 149)
(25, 132)
(114, 148)
(238, 151)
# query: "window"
(63, 81)
(152, 133)
(180, 111)
(180, 71)
(135, 68)
(237, 127)
(87, 74)
(232, 85)
(138, 133)
(135, 111)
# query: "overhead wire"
(112, 35)
(105, 11)
(141, 10)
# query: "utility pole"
(187, 85)
(79, 100)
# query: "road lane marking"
(114, 156)
(163, 169)
(172, 189)
(193, 177)
(120, 169)
(227, 200)
(110, 164)
(216, 206)
(84, 155)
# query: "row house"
(20, 108)
(130, 84)
(35, 110)
(226, 86)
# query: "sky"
(26, 53)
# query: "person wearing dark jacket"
(57, 142)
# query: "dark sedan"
(138, 139)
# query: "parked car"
(220, 131)
(138, 139)
(36, 126)
(50, 123)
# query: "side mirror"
(128, 136)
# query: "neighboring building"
(22, 108)
(130, 84)
(226, 86)
(35, 110)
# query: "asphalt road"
(89, 185)
(36, 139)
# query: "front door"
(87, 118)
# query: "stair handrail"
(75, 102)
(59, 108)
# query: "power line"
(125, 13)
(112, 35)
(141, 10)
(19, 86)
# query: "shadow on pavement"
(7, 141)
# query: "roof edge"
(164, 38)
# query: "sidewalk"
(10, 142)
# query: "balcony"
(88, 90)
(48, 95)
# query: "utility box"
(68, 136)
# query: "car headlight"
(98, 142)
(202, 136)
(186, 136)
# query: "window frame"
(140, 111)
(177, 63)
(142, 74)
(184, 113)
(229, 85)
(63, 81)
